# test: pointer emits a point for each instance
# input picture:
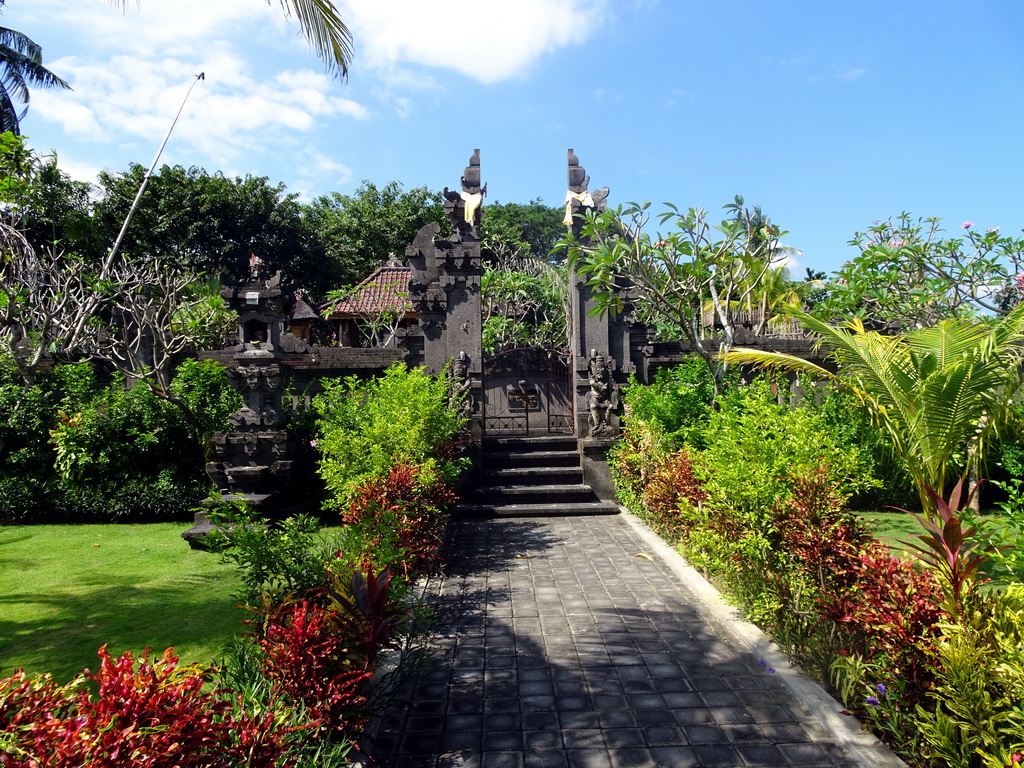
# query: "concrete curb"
(862, 745)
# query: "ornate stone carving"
(460, 395)
(600, 398)
(578, 197)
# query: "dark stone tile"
(420, 743)
(676, 757)
(502, 741)
(720, 698)
(505, 704)
(537, 704)
(539, 720)
(581, 719)
(538, 740)
(728, 715)
(632, 758)
(638, 686)
(672, 684)
(664, 736)
(424, 723)
(465, 705)
(702, 734)
(536, 688)
(761, 755)
(571, 703)
(618, 718)
(502, 760)
(455, 741)
(682, 700)
(646, 701)
(463, 722)
(654, 717)
(624, 737)
(714, 756)
(589, 758)
(804, 754)
(502, 721)
(545, 759)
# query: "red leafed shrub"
(308, 662)
(150, 716)
(823, 536)
(368, 611)
(407, 508)
(670, 486)
(890, 610)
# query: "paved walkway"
(573, 642)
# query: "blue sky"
(827, 115)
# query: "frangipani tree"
(696, 268)
(941, 393)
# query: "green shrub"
(756, 445)
(978, 713)
(73, 450)
(679, 401)
(365, 426)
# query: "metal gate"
(528, 392)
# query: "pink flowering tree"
(911, 274)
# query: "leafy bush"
(73, 450)
(276, 560)
(756, 445)
(672, 495)
(365, 426)
(403, 516)
(978, 713)
(679, 401)
(152, 715)
(309, 663)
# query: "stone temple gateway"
(569, 394)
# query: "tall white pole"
(145, 180)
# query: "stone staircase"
(531, 477)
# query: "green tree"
(677, 275)
(908, 274)
(942, 393)
(328, 36)
(357, 232)
(21, 66)
(206, 222)
(531, 228)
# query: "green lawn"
(893, 528)
(68, 589)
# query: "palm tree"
(320, 23)
(941, 393)
(21, 62)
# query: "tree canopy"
(357, 232)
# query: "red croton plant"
(146, 714)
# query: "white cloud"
(487, 41)
(131, 79)
(852, 73)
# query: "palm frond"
(323, 28)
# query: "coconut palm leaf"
(20, 66)
(941, 393)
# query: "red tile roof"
(386, 290)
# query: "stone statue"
(600, 398)
(459, 396)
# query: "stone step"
(496, 460)
(521, 442)
(544, 475)
(522, 494)
(537, 510)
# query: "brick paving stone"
(555, 646)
